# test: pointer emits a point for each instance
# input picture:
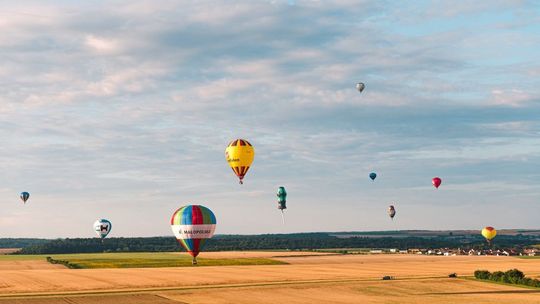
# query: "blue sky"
(122, 110)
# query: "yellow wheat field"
(306, 279)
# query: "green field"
(139, 260)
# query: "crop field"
(143, 260)
(299, 278)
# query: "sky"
(123, 109)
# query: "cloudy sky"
(122, 110)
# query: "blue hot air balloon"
(373, 175)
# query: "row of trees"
(299, 241)
(512, 276)
(20, 242)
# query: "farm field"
(304, 279)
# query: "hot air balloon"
(391, 211)
(102, 227)
(436, 181)
(282, 201)
(192, 225)
(489, 233)
(239, 154)
(373, 176)
(24, 196)
(360, 87)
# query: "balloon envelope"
(282, 198)
(436, 181)
(102, 227)
(360, 87)
(489, 233)
(391, 211)
(373, 175)
(192, 225)
(24, 196)
(239, 154)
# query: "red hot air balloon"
(436, 181)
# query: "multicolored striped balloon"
(192, 225)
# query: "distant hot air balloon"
(436, 181)
(373, 175)
(360, 87)
(192, 225)
(102, 227)
(239, 154)
(282, 201)
(489, 233)
(391, 211)
(25, 196)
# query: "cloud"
(513, 97)
(101, 45)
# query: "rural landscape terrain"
(292, 278)
(285, 276)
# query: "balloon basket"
(194, 261)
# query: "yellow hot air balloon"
(239, 155)
(489, 233)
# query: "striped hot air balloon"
(239, 154)
(192, 225)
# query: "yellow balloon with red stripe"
(240, 155)
(489, 233)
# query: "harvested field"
(110, 299)
(306, 279)
(27, 265)
(433, 291)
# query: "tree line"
(512, 276)
(299, 241)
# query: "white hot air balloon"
(102, 227)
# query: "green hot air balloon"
(282, 201)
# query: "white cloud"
(513, 97)
(102, 45)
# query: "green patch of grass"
(529, 257)
(146, 260)
(500, 283)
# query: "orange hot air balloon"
(436, 181)
(489, 233)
